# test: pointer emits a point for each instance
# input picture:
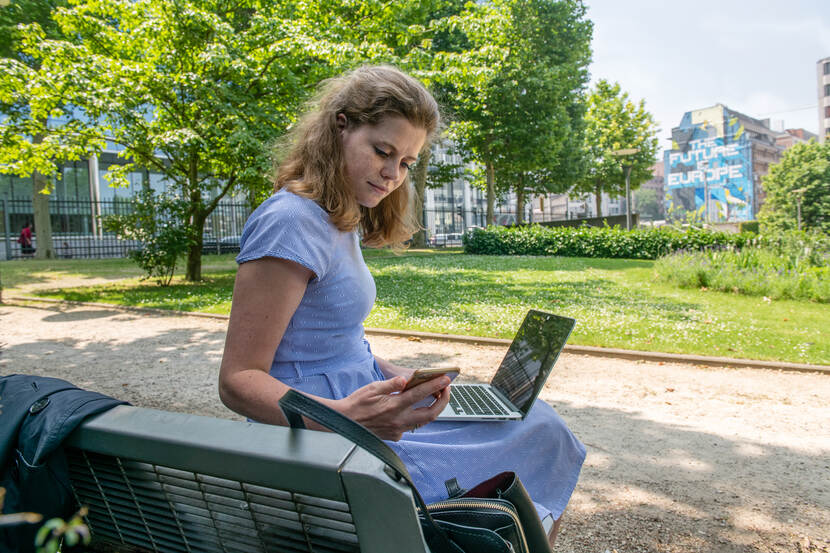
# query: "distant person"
(303, 291)
(25, 240)
(66, 251)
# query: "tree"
(614, 122)
(430, 173)
(199, 90)
(156, 223)
(516, 92)
(799, 182)
(31, 94)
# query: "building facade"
(823, 79)
(791, 137)
(716, 162)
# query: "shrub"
(596, 241)
(792, 265)
(155, 221)
(749, 226)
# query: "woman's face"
(378, 157)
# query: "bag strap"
(296, 405)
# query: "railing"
(77, 231)
(446, 225)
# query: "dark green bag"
(496, 516)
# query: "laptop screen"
(531, 356)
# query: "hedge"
(596, 242)
(749, 226)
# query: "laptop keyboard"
(473, 400)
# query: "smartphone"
(422, 375)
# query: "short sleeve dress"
(324, 353)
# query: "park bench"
(171, 482)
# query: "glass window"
(15, 188)
(136, 181)
(158, 182)
(827, 90)
(826, 111)
(827, 68)
(5, 186)
(75, 182)
(109, 192)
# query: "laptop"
(521, 375)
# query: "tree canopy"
(614, 122)
(199, 90)
(30, 95)
(799, 181)
(515, 91)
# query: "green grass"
(617, 303)
(20, 274)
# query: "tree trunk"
(419, 239)
(43, 221)
(194, 250)
(598, 195)
(196, 221)
(520, 200)
(40, 207)
(491, 193)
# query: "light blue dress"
(324, 352)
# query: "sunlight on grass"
(617, 303)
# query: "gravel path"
(680, 458)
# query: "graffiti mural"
(709, 168)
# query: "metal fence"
(446, 225)
(77, 231)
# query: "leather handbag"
(496, 516)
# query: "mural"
(710, 155)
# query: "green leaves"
(515, 89)
(195, 90)
(157, 224)
(588, 241)
(55, 531)
(800, 181)
(614, 122)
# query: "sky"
(756, 57)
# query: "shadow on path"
(691, 490)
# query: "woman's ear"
(341, 121)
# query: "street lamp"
(626, 164)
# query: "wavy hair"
(313, 166)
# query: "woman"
(302, 292)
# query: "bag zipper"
(467, 503)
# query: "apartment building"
(716, 162)
(823, 79)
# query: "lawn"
(617, 303)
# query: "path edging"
(594, 351)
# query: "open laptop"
(521, 375)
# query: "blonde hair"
(313, 165)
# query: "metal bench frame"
(161, 481)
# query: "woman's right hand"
(388, 414)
